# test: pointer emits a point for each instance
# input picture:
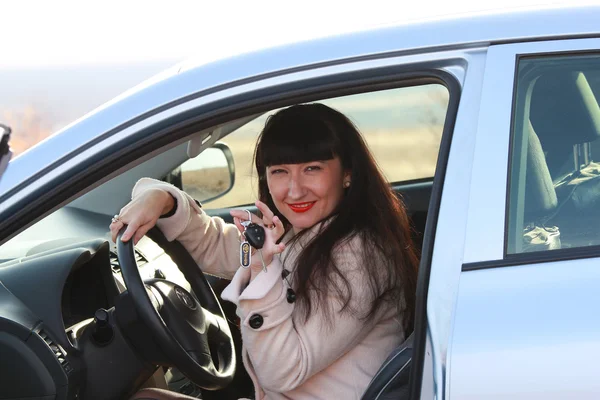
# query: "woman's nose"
(295, 188)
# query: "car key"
(256, 239)
(255, 236)
(245, 251)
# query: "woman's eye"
(276, 171)
(313, 168)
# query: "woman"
(338, 230)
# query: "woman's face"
(307, 193)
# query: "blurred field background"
(39, 101)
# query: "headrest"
(540, 195)
(564, 110)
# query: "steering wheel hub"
(185, 298)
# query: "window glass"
(554, 192)
(403, 128)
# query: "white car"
(487, 125)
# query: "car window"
(554, 188)
(402, 126)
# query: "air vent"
(114, 261)
(58, 352)
(139, 258)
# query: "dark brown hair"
(369, 210)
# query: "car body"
(503, 309)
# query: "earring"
(347, 184)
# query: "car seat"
(540, 200)
(391, 381)
(566, 117)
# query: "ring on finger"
(116, 218)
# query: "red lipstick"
(301, 207)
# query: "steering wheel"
(193, 334)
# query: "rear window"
(554, 193)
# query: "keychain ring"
(249, 215)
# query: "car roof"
(195, 75)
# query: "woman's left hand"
(274, 230)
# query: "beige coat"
(286, 357)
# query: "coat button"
(256, 321)
(291, 296)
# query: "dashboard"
(86, 290)
(60, 280)
(50, 300)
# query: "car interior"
(64, 280)
(561, 131)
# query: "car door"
(525, 322)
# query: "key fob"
(255, 235)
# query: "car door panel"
(527, 331)
(524, 324)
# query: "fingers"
(242, 215)
(271, 246)
(115, 227)
(280, 248)
(266, 212)
(130, 231)
(134, 230)
(141, 231)
(279, 229)
(139, 215)
(238, 223)
(267, 219)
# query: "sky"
(61, 59)
(61, 33)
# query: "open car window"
(402, 126)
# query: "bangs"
(296, 140)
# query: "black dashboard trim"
(52, 269)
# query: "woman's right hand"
(141, 214)
(274, 230)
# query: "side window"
(554, 188)
(403, 128)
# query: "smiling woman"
(331, 226)
(314, 168)
(298, 162)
